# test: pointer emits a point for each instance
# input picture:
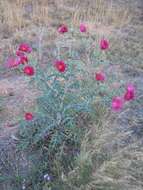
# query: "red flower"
(28, 116)
(29, 70)
(12, 62)
(130, 93)
(63, 29)
(117, 103)
(104, 44)
(129, 96)
(19, 53)
(100, 76)
(23, 59)
(83, 28)
(60, 66)
(130, 88)
(25, 47)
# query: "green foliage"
(53, 138)
(61, 98)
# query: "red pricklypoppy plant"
(82, 28)
(28, 116)
(130, 93)
(117, 103)
(104, 44)
(63, 29)
(100, 76)
(24, 47)
(60, 66)
(29, 70)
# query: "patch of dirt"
(17, 98)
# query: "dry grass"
(115, 158)
(100, 12)
(21, 13)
